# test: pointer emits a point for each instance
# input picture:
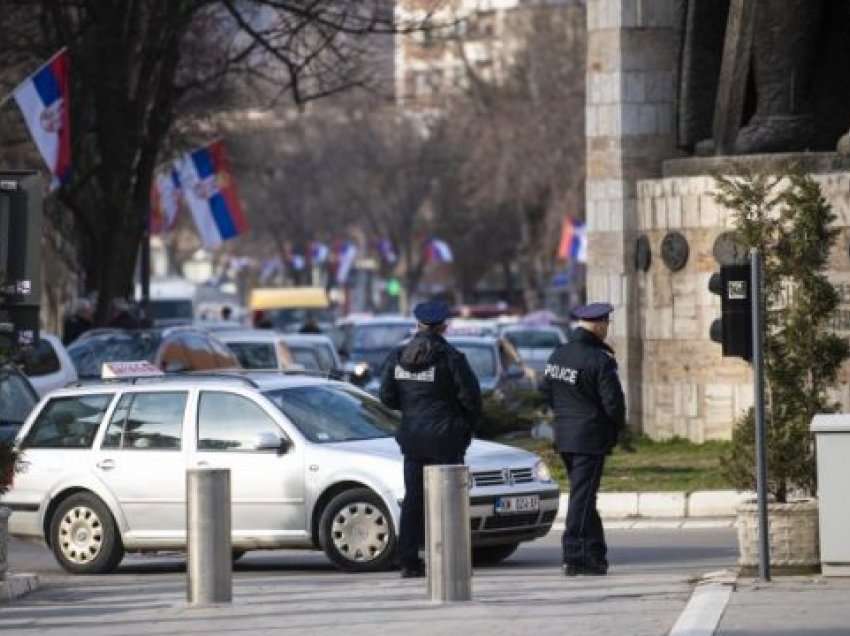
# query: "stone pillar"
(631, 67)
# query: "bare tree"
(136, 63)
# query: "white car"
(314, 352)
(259, 349)
(48, 366)
(313, 465)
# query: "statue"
(763, 76)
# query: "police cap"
(593, 312)
(432, 312)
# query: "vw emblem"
(508, 477)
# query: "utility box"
(832, 439)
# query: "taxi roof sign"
(134, 369)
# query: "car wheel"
(84, 536)
(492, 554)
(356, 532)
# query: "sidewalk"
(788, 606)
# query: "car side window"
(230, 422)
(147, 421)
(41, 359)
(68, 422)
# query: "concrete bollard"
(448, 539)
(209, 566)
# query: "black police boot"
(571, 568)
(413, 570)
(595, 567)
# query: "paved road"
(300, 592)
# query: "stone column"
(631, 67)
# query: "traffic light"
(20, 256)
(734, 329)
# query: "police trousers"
(411, 535)
(584, 539)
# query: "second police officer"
(582, 386)
(433, 386)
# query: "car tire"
(492, 554)
(356, 532)
(84, 536)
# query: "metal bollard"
(209, 567)
(447, 534)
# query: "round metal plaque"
(674, 251)
(728, 251)
(643, 253)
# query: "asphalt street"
(299, 591)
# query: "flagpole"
(12, 94)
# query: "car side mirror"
(271, 442)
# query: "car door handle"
(106, 464)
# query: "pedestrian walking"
(582, 386)
(433, 386)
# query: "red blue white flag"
(210, 193)
(347, 254)
(573, 245)
(166, 194)
(438, 251)
(44, 99)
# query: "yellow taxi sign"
(133, 369)
(266, 298)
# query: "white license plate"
(511, 505)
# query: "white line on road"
(704, 610)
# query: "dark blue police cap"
(432, 312)
(593, 311)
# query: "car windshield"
(16, 402)
(482, 359)
(178, 308)
(533, 339)
(384, 336)
(290, 320)
(88, 355)
(306, 357)
(333, 413)
(254, 355)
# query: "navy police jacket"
(583, 388)
(433, 386)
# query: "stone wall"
(631, 62)
(689, 389)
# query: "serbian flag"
(166, 192)
(573, 245)
(346, 255)
(210, 193)
(438, 251)
(44, 102)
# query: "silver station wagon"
(313, 465)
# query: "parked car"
(48, 365)
(314, 349)
(534, 343)
(313, 462)
(368, 341)
(288, 309)
(17, 399)
(497, 365)
(260, 349)
(171, 349)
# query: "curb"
(16, 586)
(702, 504)
(706, 606)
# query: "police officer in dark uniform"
(433, 386)
(582, 386)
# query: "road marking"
(704, 610)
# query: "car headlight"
(541, 472)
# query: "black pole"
(758, 386)
(145, 269)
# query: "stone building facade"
(637, 190)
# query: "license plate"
(511, 505)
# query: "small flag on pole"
(211, 195)
(347, 254)
(387, 251)
(573, 245)
(438, 251)
(44, 99)
(319, 252)
(166, 194)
